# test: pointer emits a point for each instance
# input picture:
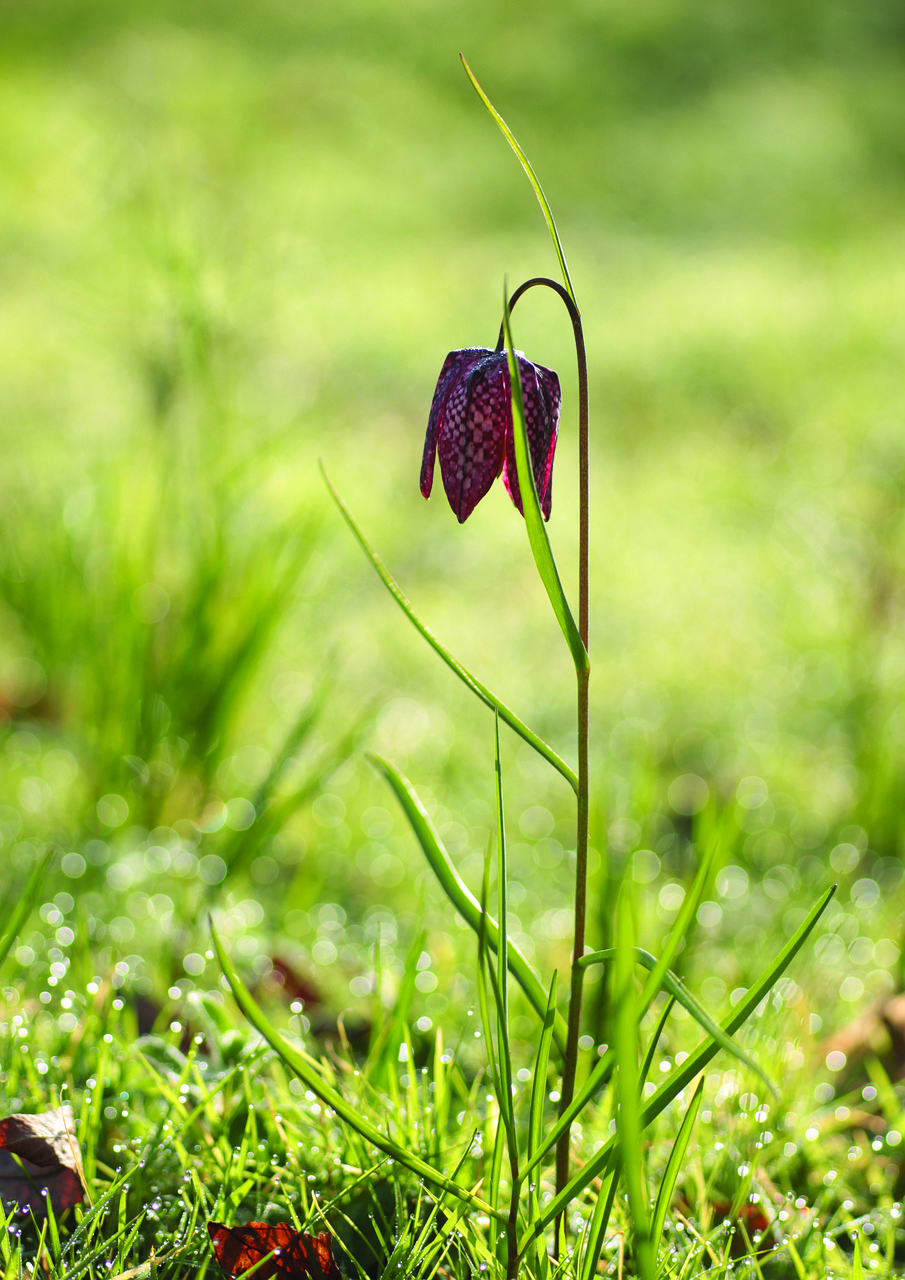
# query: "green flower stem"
(570, 1063)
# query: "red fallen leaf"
(295, 1253)
(51, 1161)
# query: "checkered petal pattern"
(470, 426)
(542, 399)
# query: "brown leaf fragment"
(294, 1253)
(293, 985)
(878, 1033)
(49, 1161)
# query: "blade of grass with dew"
(501, 986)
(600, 1220)
(693, 1064)
(600, 1073)
(602, 1069)
(307, 1072)
(237, 847)
(630, 1126)
(534, 520)
(536, 1122)
(441, 1097)
(539, 1083)
(677, 989)
(674, 1165)
(655, 1040)
(532, 176)
(801, 1270)
(485, 974)
(680, 928)
(399, 1015)
(17, 910)
(412, 1101)
(460, 895)
(480, 690)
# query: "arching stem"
(570, 1063)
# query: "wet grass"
(237, 242)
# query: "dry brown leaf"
(49, 1161)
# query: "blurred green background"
(238, 239)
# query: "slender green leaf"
(690, 1067)
(801, 1270)
(674, 1165)
(502, 896)
(460, 895)
(654, 1041)
(481, 690)
(498, 1053)
(600, 1219)
(503, 972)
(680, 928)
(676, 988)
(311, 1076)
(539, 1083)
(600, 1073)
(534, 520)
(532, 176)
(536, 1123)
(496, 1163)
(485, 972)
(17, 910)
(857, 1264)
(629, 1120)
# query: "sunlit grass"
(232, 246)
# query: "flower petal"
(542, 398)
(473, 436)
(456, 365)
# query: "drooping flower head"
(470, 425)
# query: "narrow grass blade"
(501, 987)
(677, 989)
(674, 1165)
(312, 1078)
(857, 1264)
(532, 176)
(600, 1220)
(382, 1063)
(497, 1053)
(536, 1125)
(18, 910)
(501, 880)
(489, 699)
(690, 1067)
(485, 972)
(681, 926)
(460, 895)
(537, 530)
(598, 1076)
(801, 1271)
(243, 842)
(539, 1083)
(654, 1041)
(496, 1163)
(629, 1121)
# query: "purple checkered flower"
(470, 425)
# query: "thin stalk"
(570, 1063)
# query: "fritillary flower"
(470, 425)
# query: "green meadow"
(236, 245)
